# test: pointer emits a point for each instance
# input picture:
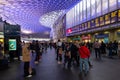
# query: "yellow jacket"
(25, 53)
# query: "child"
(60, 56)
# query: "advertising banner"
(12, 44)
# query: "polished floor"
(49, 69)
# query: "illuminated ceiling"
(31, 13)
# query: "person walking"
(84, 53)
(26, 60)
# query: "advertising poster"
(12, 44)
(114, 16)
(107, 18)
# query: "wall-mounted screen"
(12, 44)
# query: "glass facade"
(87, 10)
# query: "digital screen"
(93, 8)
(12, 44)
(114, 16)
(105, 6)
(112, 5)
(107, 18)
(98, 7)
(102, 20)
(118, 15)
(97, 22)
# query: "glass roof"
(31, 13)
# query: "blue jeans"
(86, 65)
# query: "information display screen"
(12, 44)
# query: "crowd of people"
(67, 54)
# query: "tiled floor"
(48, 69)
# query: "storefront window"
(112, 5)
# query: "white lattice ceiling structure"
(34, 16)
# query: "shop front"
(102, 37)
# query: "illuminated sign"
(12, 44)
(97, 22)
(101, 20)
(118, 15)
(107, 18)
(113, 16)
(69, 30)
